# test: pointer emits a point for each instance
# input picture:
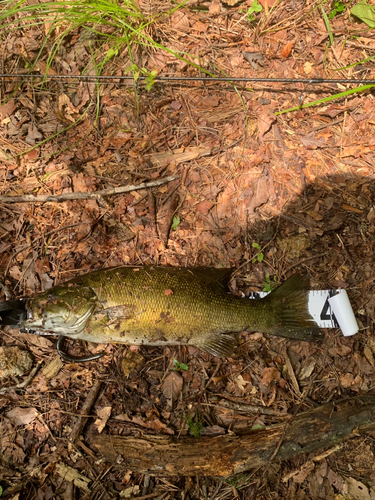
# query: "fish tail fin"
(290, 305)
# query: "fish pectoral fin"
(216, 344)
(121, 312)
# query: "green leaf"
(256, 245)
(364, 12)
(257, 427)
(176, 222)
(110, 53)
(328, 26)
(180, 366)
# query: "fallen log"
(223, 456)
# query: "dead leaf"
(45, 281)
(37, 343)
(241, 383)
(269, 375)
(307, 370)
(204, 206)
(310, 141)
(130, 492)
(369, 356)
(269, 3)
(356, 151)
(287, 49)
(265, 120)
(33, 135)
(340, 350)
(178, 156)
(168, 292)
(172, 386)
(7, 109)
(180, 21)
(154, 424)
(103, 414)
(307, 67)
(176, 105)
(200, 27)
(22, 416)
(358, 490)
(165, 217)
(261, 193)
(33, 155)
(42, 266)
(213, 430)
(347, 380)
(305, 470)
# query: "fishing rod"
(102, 78)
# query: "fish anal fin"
(216, 344)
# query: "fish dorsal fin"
(212, 275)
(216, 344)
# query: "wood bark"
(226, 455)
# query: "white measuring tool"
(329, 308)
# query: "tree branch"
(30, 198)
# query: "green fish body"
(161, 306)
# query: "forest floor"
(265, 192)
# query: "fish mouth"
(59, 324)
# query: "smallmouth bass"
(161, 306)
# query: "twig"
(317, 458)
(29, 198)
(302, 261)
(86, 407)
(39, 416)
(150, 495)
(213, 375)
(246, 408)
(25, 383)
(329, 124)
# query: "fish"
(165, 306)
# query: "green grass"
(328, 99)
(269, 285)
(109, 30)
(108, 26)
(195, 425)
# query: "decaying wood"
(179, 155)
(230, 454)
(30, 198)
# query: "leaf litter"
(299, 185)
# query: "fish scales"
(177, 304)
(168, 306)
